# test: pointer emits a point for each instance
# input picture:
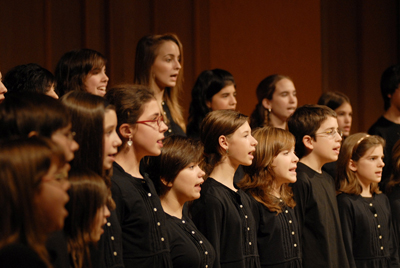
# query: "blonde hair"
(354, 147)
(259, 178)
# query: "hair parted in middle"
(177, 153)
(306, 120)
(353, 148)
(146, 52)
(214, 125)
(259, 176)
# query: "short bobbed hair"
(177, 153)
(390, 81)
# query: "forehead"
(344, 107)
(228, 89)
(168, 47)
(284, 85)
(150, 108)
(376, 150)
(329, 122)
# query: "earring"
(227, 151)
(269, 110)
(130, 142)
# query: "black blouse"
(367, 231)
(317, 212)
(394, 200)
(226, 220)
(189, 248)
(142, 219)
(173, 128)
(18, 255)
(277, 236)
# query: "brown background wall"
(323, 45)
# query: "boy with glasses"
(318, 142)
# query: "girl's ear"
(168, 184)
(33, 133)
(223, 142)
(352, 165)
(208, 103)
(266, 103)
(126, 130)
(308, 142)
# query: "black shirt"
(142, 219)
(189, 248)
(277, 236)
(173, 128)
(318, 215)
(18, 255)
(394, 200)
(367, 231)
(226, 220)
(391, 133)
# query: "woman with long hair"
(141, 217)
(267, 180)
(223, 211)
(159, 66)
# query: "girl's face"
(284, 100)
(166, 66)
(147, 137)
(52, 197)
(111, 138)
(344, 117)
(187, 185)
(100, 219)
(65, 139)
(284, 167)
(225, 99)
(241, 146)
(96, 82)
(369, 167)
(3, 89)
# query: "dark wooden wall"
(323, 45)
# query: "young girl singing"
(267, 180)
(364, 211)
(142, 219)
(178, 178)
(223, 212)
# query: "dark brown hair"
(265, 90)
(215, 124)
(23, 164)
(306, 120)
(146, 52)
(87, 188)
(177, 153)
(73, 68)
(333, 99)
(259, 178)
(354, 147)
(129, 101)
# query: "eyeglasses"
(331, 133)
(159, 119)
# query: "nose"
(338, 137)
(255, 142)
(233, 100)
(201, 174)
(74, 146)
(381, 163)
(178, 65)
(163, 127)
(117, 141)
(295, 158)
(107, 212)
(3, 88)
(66, 185)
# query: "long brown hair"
(23, 164)
(259, 178)
(87, 188)
(215, 124)
(395, 177)
(88, 111)
(354, 147)
(146, 53)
